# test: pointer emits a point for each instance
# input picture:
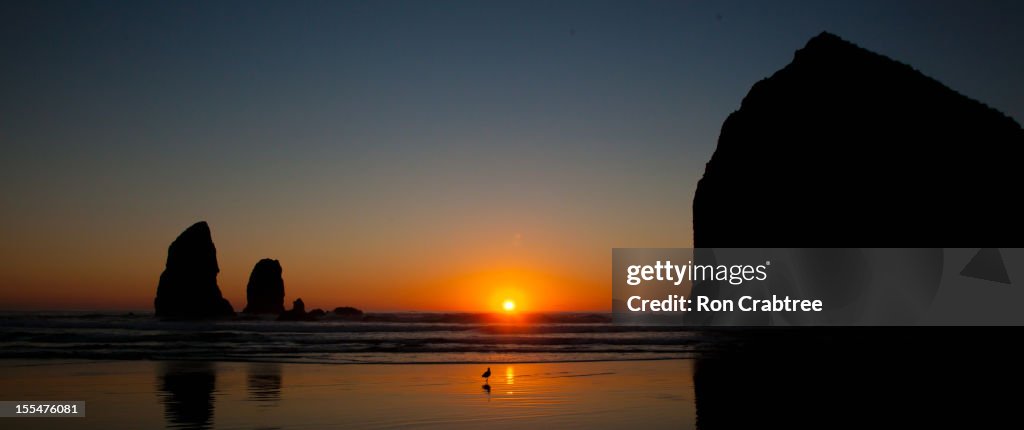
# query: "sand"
(232, 395)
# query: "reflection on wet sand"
(183, 395)
(186, 391)
(264, 383)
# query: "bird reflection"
(264, 383)
(487, 388)
(186, 391)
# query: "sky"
(401, 155)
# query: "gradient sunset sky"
(413, 155)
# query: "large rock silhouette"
(265, 291)
(845, 147)
(188, 286)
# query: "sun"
(509, 305)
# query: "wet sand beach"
(238, 395)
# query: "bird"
(486, 374)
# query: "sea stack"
(265, 291)
(296, 313)
(845, 147)
(348, 312)
(188, 286)
(298, 306)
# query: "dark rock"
(265, 291)
(188, 286)
(316, 313)
(845, 147)
(348, 312)
(296, 313)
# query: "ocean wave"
(418, 339)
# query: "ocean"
(132, 370)
(382, 338)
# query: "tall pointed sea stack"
(265, 292)
(188, 286)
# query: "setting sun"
(509, 305)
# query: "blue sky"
(333, 132)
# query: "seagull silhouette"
(486, 374)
